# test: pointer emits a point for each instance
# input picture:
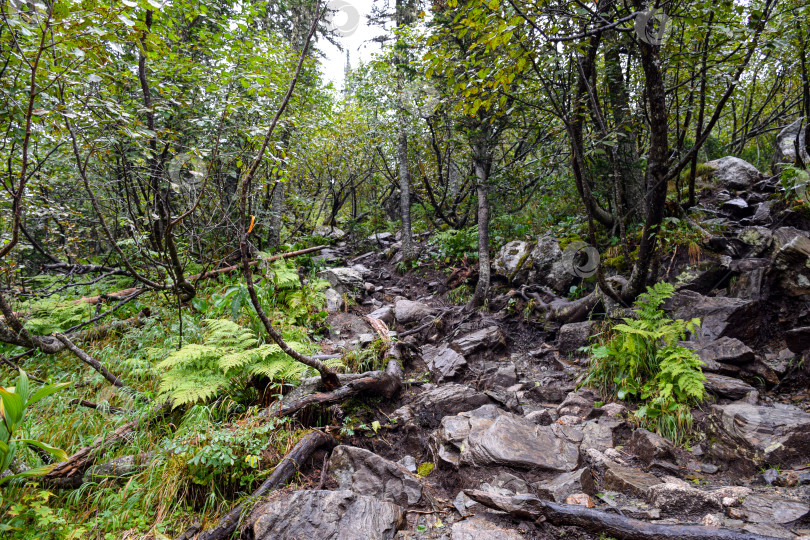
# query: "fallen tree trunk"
(282, 472)
(118, 468)
(528, 507)
(80, 269)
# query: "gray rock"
(478, 528)
(798, 339)
(737, 207)
(792, 260)
(409, 463)
(720, 317)
(649, 446)
(757, 241)
(486, 338)
(505, 376)
(443, 362)
(366, 473)
(491, 436)
(771, 509)
(407, 312)
(786, 143)
(326, 515)
(381, 237)
(682, 500)
(578, 403)
(560, 487)
(734, 173)
(329, 232)
(760, 434)
(769, 530)
(384, 314)
(762, 216)
(770, 476)
(780, 362)
(343, 280)
(431, 406)
(727, 387)
(513, 261)
(548, 266)
(334, 301)
(542, 417)
(462, 504)
(573, 336)
(627, 480)
(510, 483)
(724, 350)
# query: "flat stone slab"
(629, 481)
(771, 509)
(366, 473)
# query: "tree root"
(528, 507)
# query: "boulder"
(649, 446)
(344, 280)
(548, 266)
(756, 240)
(682, 500)
(737, 207)
(478, 528)
(560, 487)
(504, 376)
(366, 473)
(633, 482)
(406, 311)
(485, 338)
(384, 314)
(431, 406)
(760, 434)
(381, 237)
(798, 339)
(786, 144)
(762, 216)
(326, 515)
(734, 173)
(727, 387)
(792, 259)
(332, 233)
(513, 261)
(574, 336)
(766, 508)
(334, 301)
(720, 317)
(443, 362)
(725, 350)
(490, 436)
(578, 403)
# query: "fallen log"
(529, 507)
(80, 269)
(119, 467)
(95, 406)
(282, 472)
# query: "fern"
(643, 363)
(48, 316)
(229, 354)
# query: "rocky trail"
(484, 433)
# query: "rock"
(734, 173)
(629, 481)
(543, 417)
(462, 503)
(560, 487)
(505, 376)
(760, 434)
(578, 403)
(715, 521)
(727, 387)
(649, 446)
(708, 468)
(780, 362)
(334, 301)
(332, 233)
(762, 216)
(580, 499)
(491, 436)
(770, 530)
(750, 278)
(381, 237)
(327, 256)
(737, 207)
(443, 362)
(407, 311)
(792, 260)
(598, 433)
(786, 144)
(732, 495)
(480, 529)
(770, 476)
(762, 508)
(573, 336)
(682, 500)
(548, 266)
(409, 463)
(798, 339)
(326, 515)
(724, 350)
(511, 261)
(343, 280)
(720, 317)
(366, 473)
(614, 410)
(431, 406)
(509, 484)
(384, 314)
(486, 338)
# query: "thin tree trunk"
(482, 166)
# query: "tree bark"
(482, 163)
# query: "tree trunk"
(276, 217)
(482, 165)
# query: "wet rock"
(384, 314)
(505, 376)
(432, 405)
(490, 436)
(763, 508)
(628, 480)
(724, 350)
(649, 446)
(599, 433)
(760, 434)
(343, 280)
(780, 362)
(727, 387)
(443, 362)
(798, 339)
(734, 173)
(334, 301)
(682, 500)
(720, 317)
(478, 528)
(762, 216)
(573, 336)
(406, 311)
(792, 260)
(366, 473)
(737, 207)
(513, 261)
(486, 338)
(559, 488)
(326, 515)
(770, 530)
